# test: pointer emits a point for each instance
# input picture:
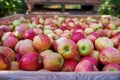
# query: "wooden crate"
(40, 75)
(93, 3)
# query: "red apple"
(31, 61)
(37, 30)
(101, 32)
(77, 36)
(7, 34)
(103, 42)
(5, 28)
(41, 42)
(67, 48)
(53, 62)
(29, 34)
(84, 66)
(93, 60)
(7, 53)
(85, 47)
(10, 42)
(69, 65)
(58, 32)
(111, 67)
(24, 46)
(110, 55)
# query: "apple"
(67, 48)
(103, 42)
(116, 40)
(95, 34)
(88, 30)
(8, 53)
(69, 65)
(31, 61)
(84, 26)
(66, 34)
(3, 64)
(57, 42)
(16, 22)
(53, 62)
(111, 67)
(91, 38)
(111, 26)
(85, 47)
(10, 42)
(29, 34)
(93, 60)
(5, 28)
(101, 32)
(110, 55)
(7, 34)
(14, 65)
(41, 42)
(24, 46)
(77, 36)
(95, 54)
(63, 27)
(46, 52)
(94, 26)
(84, 66)
(37, 30)
(58, 31)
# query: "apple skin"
(91, 38)
(31, 61)
(57, 42)
(94, 61)
(10, 42)
(110, 55)
(95, 54)
(111, 67)
(77, 36)
(5, 28)
(84, 66)
(69, 65)
(3, 64)
(14, 65)
(67, 49)
(7, 34)
(66, 34)
(8, 53)
(116, 40)
(88, 30)
(100, 43)
(29, 34)
(53, 62)
(101, 32)
(85, 47)
(24, 46)
(41, 42)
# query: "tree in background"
(110, 7)
(8, 7)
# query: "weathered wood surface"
(38, 75)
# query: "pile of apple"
(60, 44)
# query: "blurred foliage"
(110, 7)
(8, 7)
